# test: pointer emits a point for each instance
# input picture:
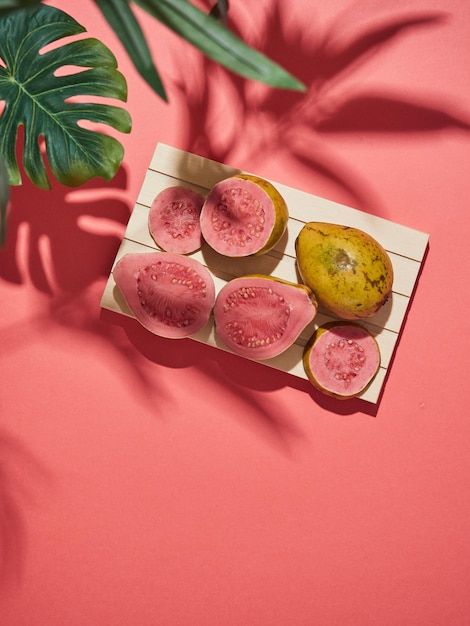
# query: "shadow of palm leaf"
(282, 122)
(387, 114)
(19, 471)
(332, 57)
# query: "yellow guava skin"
(280, 207)
(350, 272)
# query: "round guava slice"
(171, 295)
(259, 316)
(243, 215)
(174, 219)
(341, 359)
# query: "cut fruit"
(259, 317)
(171, 295)
(341, 359)
(243, 215)
(174, 220)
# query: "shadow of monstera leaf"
(60, 238)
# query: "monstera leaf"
(4, 197)
(40, 95)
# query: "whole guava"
(349, 271)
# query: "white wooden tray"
(406, 247)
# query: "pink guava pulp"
(169, 294)
(342, 359)
(243, 215)
(174, 220)
(259, 317)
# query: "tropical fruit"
(243, 215)
(174, 219)
(341, 359)
(171, 295)
(259, 317)
(349, 271)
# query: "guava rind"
(243, 215)
(348, 270)
(171, 295)
(259, 316)
(341, 359)
(174, 219)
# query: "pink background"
(144, 482)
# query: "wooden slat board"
(406, 247)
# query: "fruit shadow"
(263, 378)
(250, 379)
(220, 369)
(297, 126)
(227, 268)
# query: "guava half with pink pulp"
(259, 316)
(243, 215)
(171, 295)
(341, 359)
(174, 219)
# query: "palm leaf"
(12, 5)
(220, 11)
(121, 18)
(211, 37)
(41, 101)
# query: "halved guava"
(174, 219)
(341, 359)
(243, 215)
(171, 295)
(259, 317)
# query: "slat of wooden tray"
(406, 247)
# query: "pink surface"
(143, 482)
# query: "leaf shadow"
(20, 472)
(63, 242)
(272, 124)
(51, 223)
(377, 113)
(219, 369)
(296, 126)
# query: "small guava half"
(341, 359)
(174, 219)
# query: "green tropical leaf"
(121, 18)
(211, 37)
(4, 198)
(220, 11)
(43, 102)
(11, 5)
